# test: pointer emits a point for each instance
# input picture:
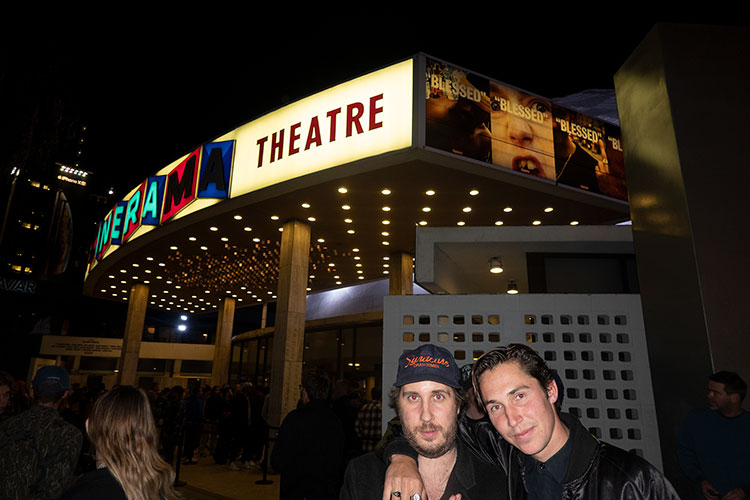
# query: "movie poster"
(521, 128)
(588, 154)
(457, 111)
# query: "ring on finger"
(396, 494)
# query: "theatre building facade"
(419, 203)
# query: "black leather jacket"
(597, 470)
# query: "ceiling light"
(507, 209)
(305, 205)
(359, 271)
(237, 217)
(537, 222)
(337, 277)
(348, 221)
(574, 223)
(350, 231)
(474, 192)
(224, 238)
(192, 238)
(149, 258)
(385, 272)
(213, 228)
(343, 190)
(358, 264)
(274, 217)
(385, 233)
(496, 265)
(248, 228)
(173, 247)
(548, 209)
(204, 247)
(360, 277)
(338, 282)
(386, 222)
(460, 223)
(498, 223)
(386, 265)
(321, 240)
(512, 287)
(467, 209)
(429, 192)
(256, 240)
(281, 229)
(355, 249)
(386, 209)
(345, 207)
(423, 223)
(312, 276)
(386, 192)
(386, 258)
(311, 219)
(426, 209)
(386, 243)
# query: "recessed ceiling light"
(357, 257)
(467, 209)
(312, 276)
(430, 192)
(308, 289)
(385, 272)
(338, 282)
(537, 222)
(111, 275)
(136, 265)
(507, 209)
(361, 277)
(311, 219)
(348, 221)
(149, 258)
(386, 222)
(321, 240)
(386, 191)
(386, 243)
(386, 265)
(426, 209)
(281, 229)
(355, 249)
(331, 264)
(173, 247)
(423, 223)
(237, 217)
(350, 231)
(460, 223)
(224, 238)
(474, 192)
(305, 205)
(386, 258)
(574, 223)
(204, 247)
(213, 228)
(192, 238)
(123, 271)
(246, 228)
(498, 223)
(345, 207)
(256, 240)
(343, 190)
(385, 233)
(274, 217)
(548, 209)
(358, 264)
(386, 209)
(336, 277)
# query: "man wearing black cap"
(38, 449)
(428, 397)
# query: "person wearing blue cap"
(38, 449)
(428, 397)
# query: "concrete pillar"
(401, 274)
(289, 331)
(263, 315)
(685, 146)
(131, 340)
(223, 345)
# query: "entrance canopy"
(419, 143)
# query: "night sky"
(152, 87)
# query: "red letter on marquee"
(374, 111)
(276, 146)
(332, 115)
(293, 138)
(313, 135)
(353, 118)
(261, 142)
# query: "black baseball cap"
(428, 362)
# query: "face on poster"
(588, 154)
(457, 111)
(521, 127)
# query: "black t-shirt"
(95, 485)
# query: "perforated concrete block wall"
(596, 343)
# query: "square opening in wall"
(529, 319)
(592, 412)
(443, 337)
(459, 355)
(493, 337)
(626, 374)
(572, 393)
(631, 414)
(476, 319)
(566, 319)
(605, 338)
(587, 355)
(408, 337)
(477, 337)
(548, 337)
(621, 320)
(624, 356)
(613, 413)
(623, 338)
(424, 337)
(531, 338)
(442, 319)
(547, 319)
(569, 355)
(634, 434)
(590, 393)
(607, 356)
(583, 319)
(629, 394)
(493, 319)
(589, 374)
(610, 394)
(459, 337)
(408, 320)
(615, 433)
(458, 319)
(596, 432)
(476, 354)
(424, 319)
(550, 356)
(584, 338)
(608, 374)
(567, 337)
(602, 319)
(571, 374)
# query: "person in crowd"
(173, 422)
(545, 453)
(211, 413)
(38, 449)
(346, 404)
(368, 425)
(6, 396)
(309, 448)
(258, 426)
(714, 444)
(427, 397)
(224, 426)
(193, 424)
(239, 425)
(128, 466)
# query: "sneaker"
(233, 466)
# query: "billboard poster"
(588, 154)
(489, 121)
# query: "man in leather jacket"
(546, 454)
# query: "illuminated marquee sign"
(204, 173)
(361, 118)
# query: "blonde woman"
(122, 431)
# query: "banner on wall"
(489, 121)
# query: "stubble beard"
(437, 449)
